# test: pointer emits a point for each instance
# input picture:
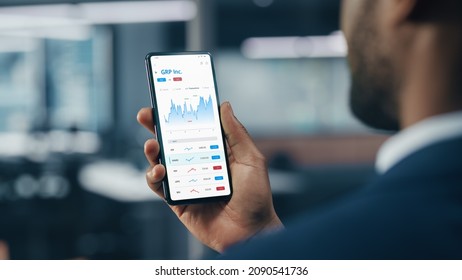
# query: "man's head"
(384, 37)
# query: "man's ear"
(400, 11)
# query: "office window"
(20, 85)
(56, 83)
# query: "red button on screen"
(218, 167)
(177, 79)
(220, 188)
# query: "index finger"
(144, 117)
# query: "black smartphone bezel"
(165, 184)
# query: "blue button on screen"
(214, 147)
(161, 80)
(215, 157)
(218, 178)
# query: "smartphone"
(185, 104)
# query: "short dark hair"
(438, 11)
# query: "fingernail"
(230, 107)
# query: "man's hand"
(250, 210)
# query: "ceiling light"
(138, 11)
(36, 16)
(333, 45)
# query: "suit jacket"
(413, 211)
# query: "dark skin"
(403, 63)
(403, 60)
(4, 251)
(250, 210)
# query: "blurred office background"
(72, 79)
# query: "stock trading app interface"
(190, 126)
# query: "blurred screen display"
(287, 96)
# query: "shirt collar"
(416, 137)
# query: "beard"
(374, 83)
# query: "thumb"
(239, 141)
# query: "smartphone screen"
(193, 150)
